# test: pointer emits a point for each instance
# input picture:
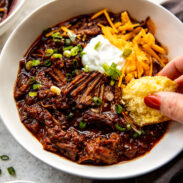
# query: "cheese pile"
(141, 42)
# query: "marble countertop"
(29, 168)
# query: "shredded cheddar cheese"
(128, 35)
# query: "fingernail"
(153, 101)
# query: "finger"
(179, 81)
(171, 105)
(174, 69)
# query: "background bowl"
(5, 24)
(169, 32)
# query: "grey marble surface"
(29, 168)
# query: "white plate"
(4, 25)
(169, 32)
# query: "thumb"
(169, 103)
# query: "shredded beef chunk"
(74, 113)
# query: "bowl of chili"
(169, 34)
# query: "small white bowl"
(169, 32)
(5, 24)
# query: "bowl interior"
(168, 32)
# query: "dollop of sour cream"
(99, 51)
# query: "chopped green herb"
(72, 36)
(67, 48)
(127, 53)
(70, 115)
(56, 37)
(0, 171)
(112, 82)
(69, 77)
(55, 50)
(4, 157)
(82, 124)
(97, 45)
(32, 80)
(75, 64)
(86, 68)
(11, 171)
(119, 108)
(49, 52)
(36, 86)
(82, 53)
(97, 101)
(67, 53)
(32, 94)
(28, 65)
(80, 47)
(36, 62)
(128, 126)
(47, 63)
(143, 132)
(135, 135)
(120, 128)
(56, 55)
(112, 71)
(106, 67)
(74, 51)
(67, 42)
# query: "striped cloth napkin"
(176, 7)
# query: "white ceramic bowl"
(169, 32)
(4, 25)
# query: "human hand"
(170, 103)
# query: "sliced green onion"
(56, 37)
(11, 171)
(0, 171)
(112, 82)
(82, 124)
(74, 51)
(4, 157)
(112, 71)
(75, 64)
(86, 68)
(97, 45)
(67, 48)
(68, 77)
(56, 55)
(47, 63)
(135, 135)
(32, 80)
(32, 94)
(70, 115)
(49, 52)
(127, 53)
(143, 132)
(67, 42)
(120, 128)
(82, 53)
(72, 36)
(80, 47)
(55, 50)
(36, 62)
(67, 53)
(36, 86)
(97, 101)
(119, 108)
(128, 126)
(28, 65)
(106, 67)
